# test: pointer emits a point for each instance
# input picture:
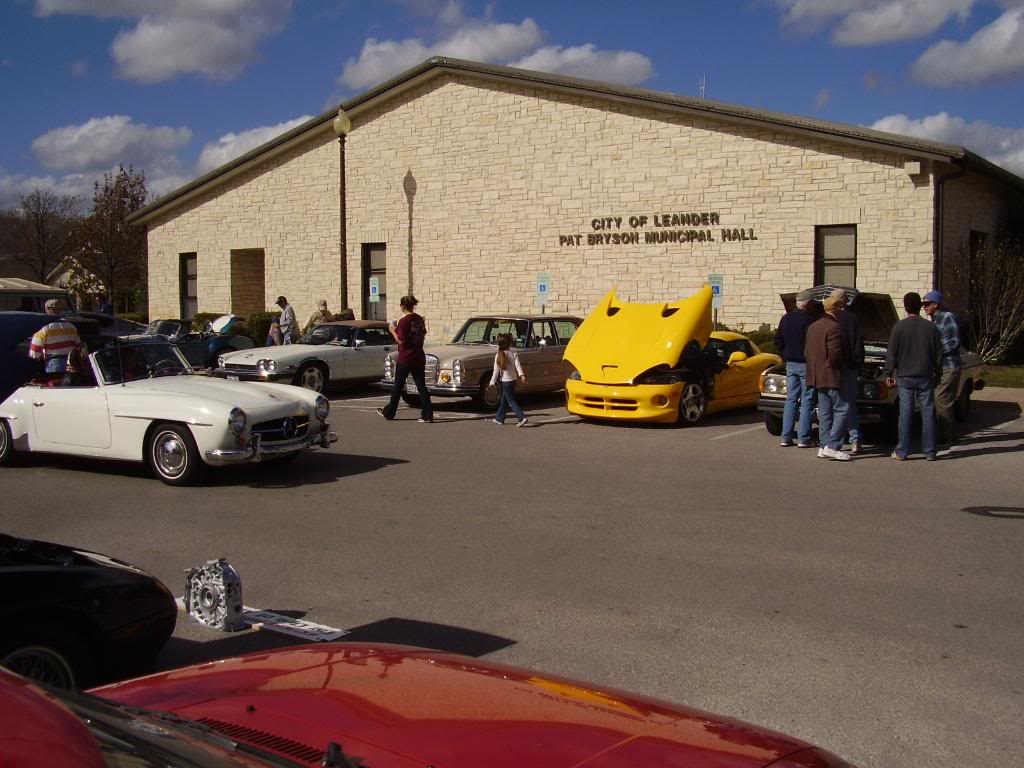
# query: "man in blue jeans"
(790, 339)
(912, 361)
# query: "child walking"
(507, 369)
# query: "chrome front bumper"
(256, 451)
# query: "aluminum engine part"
(213, 595)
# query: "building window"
(835, 255)
(189, 282)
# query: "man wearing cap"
(948, 383)
(824, 354)
(911, 361)
(55, 341)
(321, 315)
(790, 339)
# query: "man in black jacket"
(914, 357)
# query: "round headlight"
(220, 361)
(236, 421)
(870, 391)
(322, 407)
(267, 366)
(771, 385)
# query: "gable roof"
(438, 66)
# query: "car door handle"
(38, 405)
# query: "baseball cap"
(932, 296)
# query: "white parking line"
(740, 432)
(559, 420)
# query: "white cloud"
(105, 141)
(1003, 146)
(232, 145)
(994, 52)
(586, 61)
(478, 41)
(872, 22)
(216, 39)
(484, 39)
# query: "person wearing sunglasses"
(948, 384)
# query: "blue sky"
(178, 87)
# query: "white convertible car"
(140, 401)
(340, 351)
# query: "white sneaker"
(839, 455)
(499, 423)
(522, 422)
(824, 453)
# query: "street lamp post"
(342, 126)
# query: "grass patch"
(1004, 375)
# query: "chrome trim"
(192, 423)
(256, 450)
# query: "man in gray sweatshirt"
(914, 358)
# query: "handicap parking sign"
(543, 287)
(717, 283)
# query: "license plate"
(232, 378)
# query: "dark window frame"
(183, 294)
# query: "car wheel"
(6, 444)
(487, 397)
(311, 376)
(173, 456)
(773, 423)
(692, 402)
(962, 406)
(41, 664)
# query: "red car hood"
(394, 706)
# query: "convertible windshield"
(485, 330)
(129, 362)
(330, 334)
(163, 328)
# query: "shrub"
(765, 341)
(258, 325)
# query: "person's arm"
(519, 370)
(496, 373)
(937, 339)
(892, 355)
(36, 348)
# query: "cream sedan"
(140, 401)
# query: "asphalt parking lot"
(871, 607)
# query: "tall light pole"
(342, 125)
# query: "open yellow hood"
(619, 341)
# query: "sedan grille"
(293, 749)
(429, 374)
(278, 430)
(239, 368)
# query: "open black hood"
(876, 312)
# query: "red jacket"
(823, 351)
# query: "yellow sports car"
(660, 362)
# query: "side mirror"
(737, 357)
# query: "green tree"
(107, 247)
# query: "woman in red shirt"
(410, 332)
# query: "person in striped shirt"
(55, 341)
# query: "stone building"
(468, 184)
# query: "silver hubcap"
(313, 379)
(170, 454)
(42, 665)
(692, 402)
(492, 396)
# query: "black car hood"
(876, 312)
(21, 553)
(15, 367)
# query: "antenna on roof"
(703, 84)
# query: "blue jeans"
(919, 389)
(850, 391)
(508, 399)
(831, 418)
(798, 397)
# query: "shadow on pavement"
(1004, 513)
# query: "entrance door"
(375, 258)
